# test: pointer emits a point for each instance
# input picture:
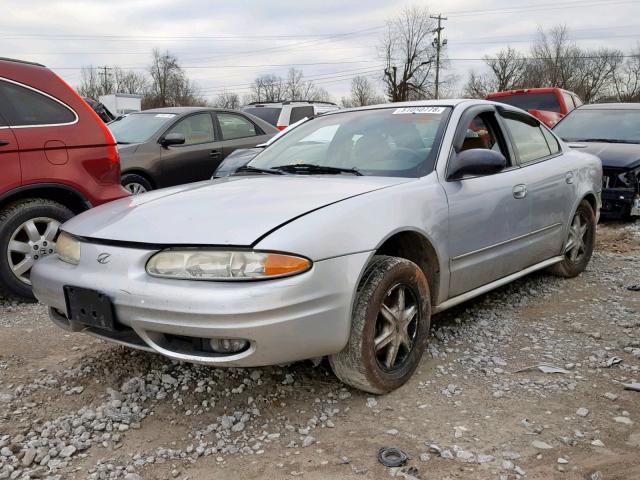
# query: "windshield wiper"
(319, 169)
(606, 140)
(249, 168)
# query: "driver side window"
(196, 129)
(482, 132)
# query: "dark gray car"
(170, 146)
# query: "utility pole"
(438, 43)
(106, 82)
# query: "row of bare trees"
(165, 84)
(555, 61)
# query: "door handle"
(215, 154)
(569, 178)
(519, 191)
(4, 142)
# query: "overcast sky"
(226, 44)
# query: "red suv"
(57, 158)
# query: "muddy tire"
(579, 244)
(27, 233)
(389, 328)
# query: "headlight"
(224, 265)
(68, 248)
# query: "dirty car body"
(307, 218)
(611, 131)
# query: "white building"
(122, 103)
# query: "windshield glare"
(614, 125)
(139, 127)
(387, 142)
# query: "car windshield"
(268, 114)
(138, 127)
(531, 101)
(614, 125)
(398, 142)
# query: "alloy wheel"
(396, 327)
(575, 247)
(135, 188)
(30, 242)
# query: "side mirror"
(476, 161)
(173, 139)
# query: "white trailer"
(122, 103)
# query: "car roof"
(611, 106)
(449, 102)
(15, 60)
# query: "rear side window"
(529, 140)
(235, 126)
(268, 114)
(298, 113)
(25, 107)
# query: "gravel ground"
(73, 407)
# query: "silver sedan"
(340, 239)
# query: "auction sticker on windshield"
(436, 110)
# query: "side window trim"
(39, 92)
(215, 133)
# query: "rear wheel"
(135, 184)
(28, 230)
(389, 329)
(579, 244)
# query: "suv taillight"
(281, 127)
(106, 170)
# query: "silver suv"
(283, 114)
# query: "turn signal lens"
(224, 265)
(68, 248)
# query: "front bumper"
(620, 202)
(284, 320)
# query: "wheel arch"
(415, 246)
(141, 172)
(63, 194)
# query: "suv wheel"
(135, 184)
(28, 230)
(389, 327)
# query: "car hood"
(614, 155)
(235, 210)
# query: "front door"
(197, 158)
(488, 215)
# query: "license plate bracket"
(89, 307)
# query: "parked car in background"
(237, 159)
(548, 105)
(103, 112)
(283, 114)
(170, 146)
(57, 159)
(610, 131)
(341, 239)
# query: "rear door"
(549, 181)
(488, 215)
(197, 158)
(238, 131)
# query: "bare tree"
(409, 54)
(508, 68)
(169, 85)
(362, 93)
(94, 82)
(555, 59)
(267, 88)
(129, 81)
(596, 73)
(227, 100)
(478, 86)
(626, 79)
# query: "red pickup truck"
(549, 105)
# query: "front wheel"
(579, 244)
(389, 328)
(28, 230)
